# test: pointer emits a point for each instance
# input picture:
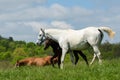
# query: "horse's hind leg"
(93, 59)
(96, 53)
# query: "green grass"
(109, 70)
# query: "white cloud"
(37, 25)
(54, 24)
(55, 11)
(61, 25)
(58, 11)
(7, 5)
(30, 16)
(17, 30)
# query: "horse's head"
(20, 63)
(17, 64)
(41, 37)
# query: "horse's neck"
(54, 45)
(55, 34)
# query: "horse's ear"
(42, 30)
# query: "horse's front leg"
(64, 51)
(65, 46)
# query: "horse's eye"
(40, 35)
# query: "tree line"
(11, 50)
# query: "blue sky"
(70, 3)
(22, 19)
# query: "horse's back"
(39, 62)
(79, 39)
(47, 59)
(27, 59)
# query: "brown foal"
(36, 61)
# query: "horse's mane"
(54, 31)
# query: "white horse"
(76, 39)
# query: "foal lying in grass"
(36, 61)
(58, 52)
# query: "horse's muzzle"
(38, 44)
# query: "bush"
(18, 54)
(5, 56)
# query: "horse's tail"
(108, 30)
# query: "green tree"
(10, 39)
(116, 50)
(2, 48)
(30, 45)
(12, 46)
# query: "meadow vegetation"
(11, 50)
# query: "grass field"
(109, 70)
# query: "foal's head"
(47, 43)
(18, 64)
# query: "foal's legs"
(51, 60)
(59, 59)
(72, 57)
(76, 56)
(81, 54)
